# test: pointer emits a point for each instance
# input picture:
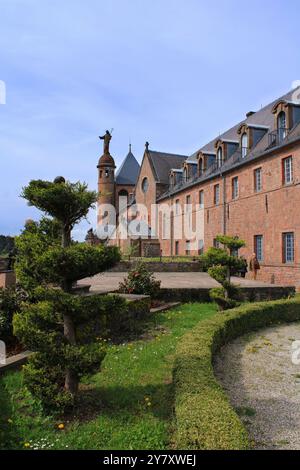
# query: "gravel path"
(263, 385)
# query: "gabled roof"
(163, 163)
(128, 171)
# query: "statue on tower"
(107, 138)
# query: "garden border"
(204, 417)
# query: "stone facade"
(252, 192)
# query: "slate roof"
(128, 172)
(264, 118)
(163, 163)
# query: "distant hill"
(6, 244)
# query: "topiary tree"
(221, 262)
(54, 326)
(34, 241)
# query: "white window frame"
(289, 247)
(258, 180)
(288, 170)
(259, 247)
(235, 187)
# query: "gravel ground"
(263, 385)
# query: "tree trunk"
(66, 237)
(71, 378)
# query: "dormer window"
(185, 174)
(244, 144)
(281, 126)
(201, 166)
(219, 157)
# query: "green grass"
(126, 406)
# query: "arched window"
(281, 126)
(219, 157)
(244, 143)
(145, 185)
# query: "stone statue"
(107, 138)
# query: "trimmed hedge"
(204, 417)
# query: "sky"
(174, 73)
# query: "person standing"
(254, 265)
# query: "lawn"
(128, 405)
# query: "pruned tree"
(53, 327)
(220, 263)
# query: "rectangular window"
(235, 187)
(201, 199)
(287, 168)
(200, 247)
(217, 194)
(257, 180)
(258, 247)
(176, 248)
(187, 247)
(177, 206)
(288, 247)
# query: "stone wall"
(7, 279)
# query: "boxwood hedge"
(204, 416)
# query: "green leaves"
(76, 262)
(61, 328)
(35, 240)
(221, 262)
(140, 281)
(67, 202)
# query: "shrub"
(204, 416)
(34, 241)
(140, 281)
(10, 303)
(61, 328)
(218, 295)
(220, 263)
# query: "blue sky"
(175, 73)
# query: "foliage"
(61, 328)
(218, 295)
(140, 281)
(77, 261)
(220, 263)
(10, 302)
(129, 405)
(67, 202)
(204, 417)
(7, 244)
(131, 252)
(35, 240)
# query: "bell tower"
(106, 179)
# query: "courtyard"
(109, 281)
